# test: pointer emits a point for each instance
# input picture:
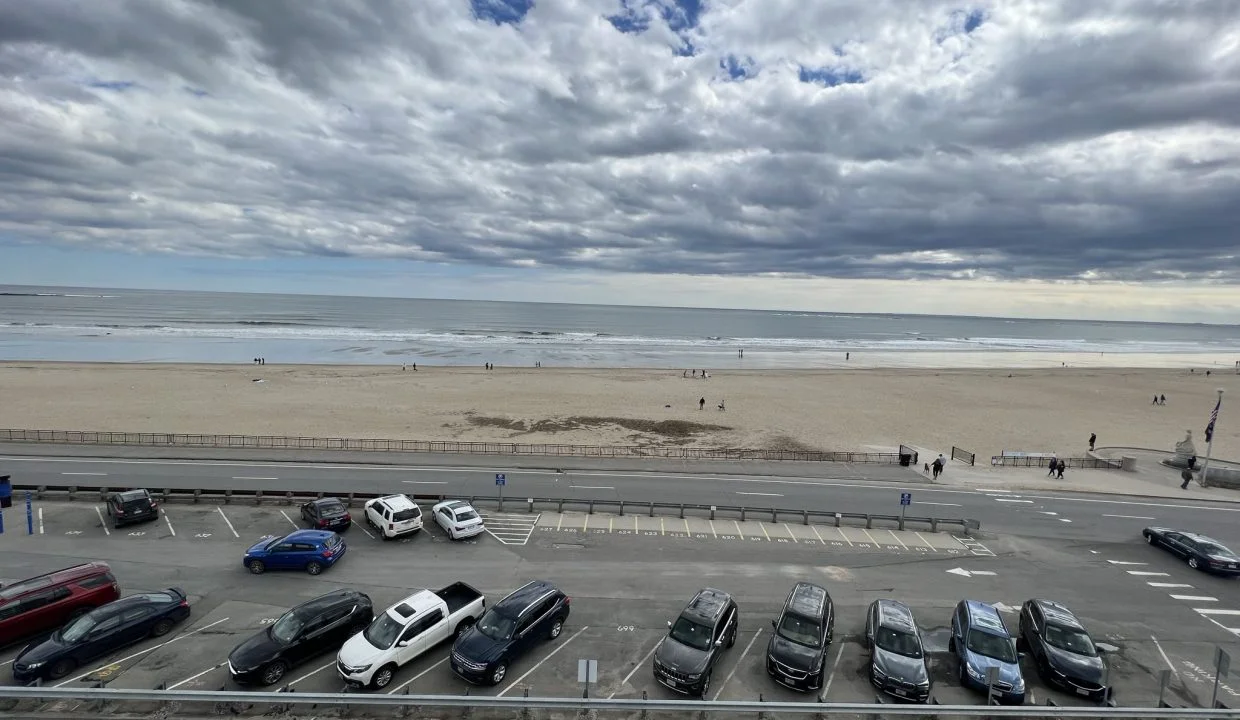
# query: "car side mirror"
(1022, 655)
(403, 643)
(719, 642)
(669, 624)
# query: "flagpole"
(1210, 443)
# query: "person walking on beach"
(1054, 464)
(702, 404)
(1093, 438)
(1162, 399)
(1155, 400)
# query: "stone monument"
(1185, 451)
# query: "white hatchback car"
(458, 518)
(393, 516)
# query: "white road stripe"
(359, 527)
(558, 648)
(738, 492)
(1168, 585)
(923, 502)
(415, 677)
(1010, 500)
(94, 474)
(143, 652)
(1164, 656)
(313, 672)
(640, 664)
(425, 482)
(1233, 631)
(102, 522)
(191, 678)
(741, 659)
(251, 477)
(1146, 573)
(1196, 598)
(169, 521)
(826, 688)
(1125, 562)
(592, 487)
(1129, 517)
(1216, 611)
(290, 520)
(227, 521)
(40, 519)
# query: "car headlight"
(34, 665)
(357, 668)
(975, 674)
(694, 676)
(1018, 685)
(817, 666)
(924, 683)
(878, 672)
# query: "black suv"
(798, 650)
(705, 628)
(327, 514)
(315, 627)
(507, 630)
(897, 658)
(131, 506)
(1061, 649)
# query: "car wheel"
(706, 686)
(556, 628)
(61, 668)
(497, 675)
(161, 628)
(274, 672)
(1192, 563)
(461, 627)
(257, 567)
(962, 674)
(731, 638)
(951, 644)
(314, 567)
(383, 677)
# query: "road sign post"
(29, 515)
(587, 673)
(992, 677)
(1222, 666)
(1164, 678)
(906, 499)
(500, 481)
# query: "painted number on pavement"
(625, 628)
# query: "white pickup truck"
(405, 631)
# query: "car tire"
(557, 627)
(961, 674)
(498, 674)
(383, 676)
(1192, 562)
(731, 638)
(314, 567)
(257, 567)
(61, 668)
(461, 627)
(705, 686)
(162, 627)
(951, 644)
(273, 673)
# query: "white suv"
(393, 516)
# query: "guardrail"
(279, 442)
(228, 496)
(250, 704)
(1078, 462)
(963, 455)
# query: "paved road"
(1071, 516)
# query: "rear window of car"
(412, 513)
(99, 580)
(466, 515)
(332, 541)
(136, 500)
(334, 507)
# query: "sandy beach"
(984, 411)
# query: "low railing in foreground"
(1039, 461)
(283, 703)
(253, 496)
(447, 447)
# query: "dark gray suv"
(687, 656)
(797, 652)
(897, 658)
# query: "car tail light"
(323, 522)
(184, 602)
(348, 516)
(568, 600)
(154, 504)
(328, 553)
(120, 511)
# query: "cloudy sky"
(989, 157)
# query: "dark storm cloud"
(981, 139)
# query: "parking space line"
(195, 677)
(143, 652)
(662, 530)
(764, 532)
(712, 529)
(794, 537)
(560, 521)
(924, 541)
(1168, 585)
(227, 521)
(1164, 656)
(687, 530)
(871, 537)
(634, 524)
(99, 512)
(1146, 573)
(558, 648)
(815, 529)
(40, 519)
(313, 672)
(640, 664)
(897, 537)
(585, 525)
(826, 688)
(1216, 611)
(169, 521)
(738, 529)
(359, 527)
(723, 686)
(290, 520)
(610, 520)
(1195, 598)
(415, 677)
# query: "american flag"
(1213, 417)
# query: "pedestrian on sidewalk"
(1053, 466)
(937, 466)
(1187, 476)
(1093, 438)
(1059, 470)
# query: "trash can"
(6, 491)
(905, 459)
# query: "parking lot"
(629, 575)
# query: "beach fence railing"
(1087, 463)
(447, 447)
(963, 455)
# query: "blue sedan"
(309, 550)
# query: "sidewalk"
(1151, 480)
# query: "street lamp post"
(1205, 468)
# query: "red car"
(44, 603)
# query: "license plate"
(789, 679)
(671, 682)
(900, 692)
(1082, 691)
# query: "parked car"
(697, 639)
(1062, 650)
(315, 627)
(1201, 552)
(393, 515)
(897, 656)
(797, 652)
(505, 632)
(327, 514)
(981, 641)
(101, 631)
(407, 630)
(309, 550)
(131, 506)
(458, 518)
(43, 603)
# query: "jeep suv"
(897, 657)
(798, 650)
(696, 640)
(43, 603)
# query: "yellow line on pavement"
(794, 537)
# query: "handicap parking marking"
(973, 546)
(514, 529)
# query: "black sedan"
(326, 514)
(1201, 552)
(101, 631)
(315, 627)
(1062, 650)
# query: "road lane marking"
(1233, 631)
(1147, 573)
(640, 664)
(143, 652)
(313, 672)
(923, 502)
(1125, 562)
(290, 520)
(101, 521)
(1196, 598)
(738, 529)
(826, 688)
(1009, 500)
(415, 677)
(191, 678)
(169, 521)
(40, 519)
(793, 535)
(252, 477)
(425, 482)
(738, 492)
(93, 474)
(1216, 611)
(741, 659)
(1164, 656)
(591, 487)
(1129, 517)
(227, 521)
(1168, 585)
(897, 537)
(558, 648)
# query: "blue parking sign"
(499, 479)
(906, 498)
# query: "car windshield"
(465, 515)
(78, 629)
(801, 630)
(383, 632)
(410, 514)
(993, 646)
(695, 635)
(331, 508)
(286, 628)
(1070, 639)
(898, 641)
(496, 626)
(1210, 547)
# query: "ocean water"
(83, 324)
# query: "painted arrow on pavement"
(970, 573)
